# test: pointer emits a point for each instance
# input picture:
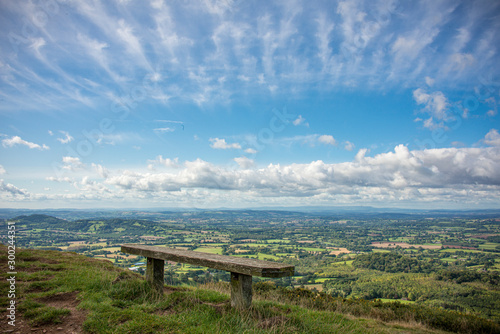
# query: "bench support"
(241, 291)
(155, 270)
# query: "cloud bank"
(469, 176)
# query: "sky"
(243, 104)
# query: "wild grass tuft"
(39, 314)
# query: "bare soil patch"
(71, 324)
(339, 250)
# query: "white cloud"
(170, 121)
(222, 145)
(243, 78)
(435, 104)
(132, 43)
(72, 163)
(300, 120)
(163, 130)
(329, 46)
(218, 7)
(327, 139)
(10, 189)
(462, 37)
(357, 29)
(16, 140)
(101, 170)
(97, 50)
(251, 151)
(160, 161)
(244, 162)
(401, 173)
(311, 140)
(157, 4)
(426, 22)
(492, 112)
(325, 28)
(431, 125)
(67, 138)
(361, 154)
(170, 40)
(492, 103)
(348, 146)
(260, 79)
(59, 179)
(461, 61)
(2, 170)
(492, 138)
(118, 138)
(429, 81)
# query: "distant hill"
(41, 220)
(59, 292)
(104, 226)
(296, 211)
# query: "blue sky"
(232, 103)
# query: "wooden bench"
(241, 269)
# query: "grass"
(286, 255)
(489, 245)
(341, 263)
(39, 314)
(111, 249)
(400, 239)
(454, 250)
(321, 280)
(263, 256)
(116, 301)
(385, 300)
(313, 249)
(211, 250)
(278, 241)
(316, 286)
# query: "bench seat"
(242, 269)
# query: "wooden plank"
(233, 264)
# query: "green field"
(400, 239)
(321, 280)
(211, 250)
(270, 257)
(348, 263)
(454, 250)
(489, 245)
(278, 241)
(385, 300)
(313, 249)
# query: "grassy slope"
(60, 291)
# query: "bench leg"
(241, 291)
(155, 269)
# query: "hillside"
(61, 292)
